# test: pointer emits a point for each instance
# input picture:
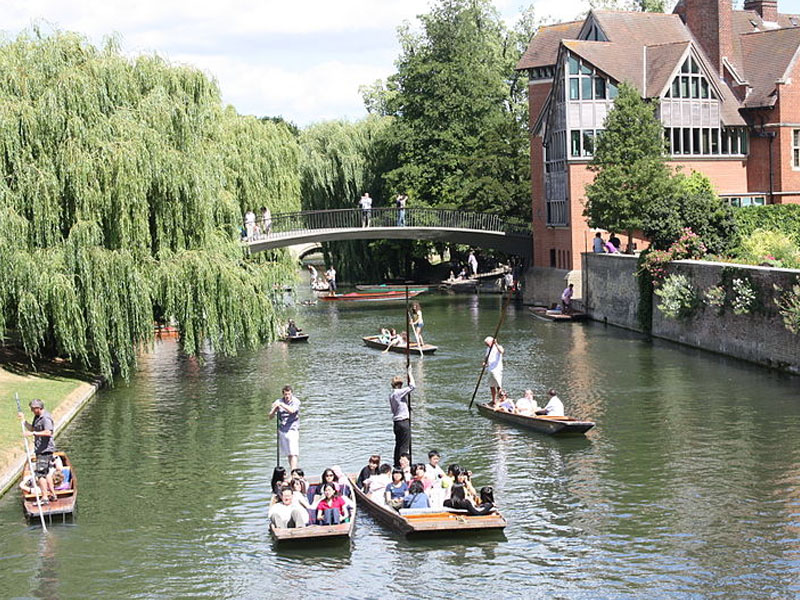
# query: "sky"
(302, 60)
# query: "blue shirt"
(417, 501)
(397, 492)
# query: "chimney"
(768, 9)
(710, 23)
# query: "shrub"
(744, 296)
(774, 217)
(771, 247)
(789, 306)
(715, 296)
(678, 298)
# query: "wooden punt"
(369, 296)
(300, 337)
(556, 316)
(166, 331)
(444, 522)
(373, 341)
(67, 499)
(330, 533)
(559, 426)
(391, 287)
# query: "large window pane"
(705, 142)
(687, 140)
(684, 87)
(744, 146)
(715, 141)
(586, 69)
(734, 138)
(703, 88)
(676, 141)
(586, 88)
(599, 88)
(685, 66)
(724, 135)
(574, 82)
(573, 66)
(695, 87)
(695, 140)
(612, 90)
(667, 140)
(575, 147)
(588, 142)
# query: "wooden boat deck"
(300, 337)
(67, 499)
(373, 341)
(560, 426)
(443, 522)
(556, 316)
(340, 532)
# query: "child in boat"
(435, 475)
(396, 490)
(332, 509)
(368, 471)
(416, 498)
(375, 486)
(464, 478)
(526, 405)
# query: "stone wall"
(543, 285)
(612, 295)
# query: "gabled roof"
(766, 58)
(641, 28)
(662, 61)
(543, 47)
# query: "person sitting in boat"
(404, 461)
(554, 407)
(28, 486)
(299, 492)
(292, 329)
(418, 474)
(416, 498)
(328, 476)
(435, 475)
(279, 480)
(375, 486)
(395, 339)
(526, 405)
(287, 512)
(343, 487)
(504, 403)
(385, 336)
(396, 491)
(368, 471)
(459, 500)
(300, 474)
(464, 478)
(333, 508)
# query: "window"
(796, 148)
(574, 82)
(690, 83)
(599, 88)
(738, 202)
(575, 145)
(612, 90)
(588, 142)
(573, 65)
(586, 88)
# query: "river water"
(688, 487)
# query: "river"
(688, 487)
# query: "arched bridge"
(481, 230)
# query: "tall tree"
(123, 185)
(630, 166)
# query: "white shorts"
(496, 378)
(290, 442)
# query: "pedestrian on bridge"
(401, 209)
(366, 209)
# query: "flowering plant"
(743, 296)
(715, 296)
(678, 297)
(688, 245)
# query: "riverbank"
(63, 394)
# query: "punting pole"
(494, 341)
(30, 467)
(277, 439)
(408, 366)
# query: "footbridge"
(480, 230)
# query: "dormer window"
(595, 34)
(690, 83)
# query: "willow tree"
(123, 186)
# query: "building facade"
(726, 86)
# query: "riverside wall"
(611, 294)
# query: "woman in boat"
(416, 498)
(396, 491)
(464, 478)
(292, 329)
(341, 481)
(395, 339)
(332, 509)
(298, 492)
(384, 336)
(404, 462)
(279, 480)
(375, 486)
(459, 500)
(416, 321)
(504, 403)
(368, 471)
(300, 474)
(418, 474)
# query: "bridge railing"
(346, 218)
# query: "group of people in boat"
(527, 406)
(423, 486)
(49, 473)
(391, 337)
(296, 503)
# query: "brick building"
(726, 84)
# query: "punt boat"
(299, 337)
(560, 426)
(391, 287)
(343, 531)
(374, 341)
(556, 316)
(443, 521)
(67, 496)
(369, 296)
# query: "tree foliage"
(123, 183)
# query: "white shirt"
(555, 408)
(494, 359)
(365, 203)
(376, 486)
(331, 274)
(473, 262)
(282, 510)
(250, 217)
(526, 406)
(433, 474)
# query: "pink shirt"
(335, 502)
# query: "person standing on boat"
(554, 408)
(493, 361)
(473, 263)
(288, 409)
(330, 275)
(566, 299)
(416, 321)
(401, 416)
(313, 272)
(42, 430)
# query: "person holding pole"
(42, 430)
(288, 409)
(401, 415)
(494, 363)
